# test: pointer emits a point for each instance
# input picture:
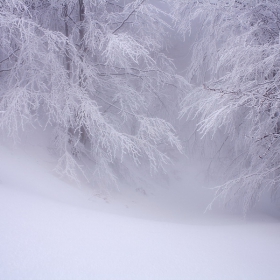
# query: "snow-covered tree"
(235, 70)
(94, 71)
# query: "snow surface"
(50, 229)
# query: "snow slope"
(53, 230)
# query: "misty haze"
(140, 139)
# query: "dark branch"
(130, 14)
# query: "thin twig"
(9, 56)
(128, 17)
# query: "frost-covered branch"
(69, 60)
(236, 75)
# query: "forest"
(99, 77)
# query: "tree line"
(96, 72)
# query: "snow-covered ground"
(53, 230)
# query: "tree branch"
(9, 56)
(130, 14)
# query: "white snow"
(53, 230)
